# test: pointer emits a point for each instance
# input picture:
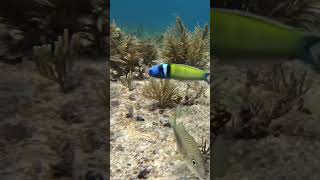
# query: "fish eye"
(194, 161)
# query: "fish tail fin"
(207, 77)
(312, 51)
(176, 115)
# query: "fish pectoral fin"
(178, 156)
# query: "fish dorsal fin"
(255, 17)
(191, 67)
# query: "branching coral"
(164, 92)
(11, 38)
(102, 90)
(56, 64)
(127, 81)
(290, 82)
(197, 90)
(116, 36)
(128, 57)
(149, 52)
(130, 54)
(284, 89)
(184, 47)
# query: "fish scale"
(188, 148)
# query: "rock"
(152, 108)
(161, 111)
(143, 173)
(92, 175)
(69, 113)
(13, 60)
(132, 97)
(91, 141)
(114, 103)
(140, 118)
(62, 169)
(164, 121)
(138, 106)
(72, 81)
(15, 133)
(130, 112)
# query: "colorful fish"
(241, 36)
(178, 72)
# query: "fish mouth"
(202, 174)
(146, 73)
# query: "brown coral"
(163, 91)
(56, 64)
(184, 47)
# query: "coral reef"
(130, 54)
(127, 58)
(182, 47)
(194, 91)
(127, 81)
(57, 63)
(164, 92)
(134, 109)
(261, 117)
(142, 139)
(51, 135)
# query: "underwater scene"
(159, 89)
(52, 80)
(144, 18)
(265, 111)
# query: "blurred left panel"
(53, 89)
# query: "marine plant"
(11, 38)
(129, 53)
(220, 115)
(205, 149)
(283, 88)
(149, 52)
(197, 91)
(116, 36)
(57, 63)
(255, 117)
(163, 91)
(102, 90)
(183, 47)
(288, 84)
(292, 83)
(95, 27)
(127, 81)
(127, 58)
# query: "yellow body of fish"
(188, 149)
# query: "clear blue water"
(155, 16)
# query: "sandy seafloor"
(149, 146)
(46, 134)
(291, 155)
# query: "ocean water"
(155, 16)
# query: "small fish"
(188, 148)
(241, 37)
(178, 72)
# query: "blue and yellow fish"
(241, 37)
(178, 72)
